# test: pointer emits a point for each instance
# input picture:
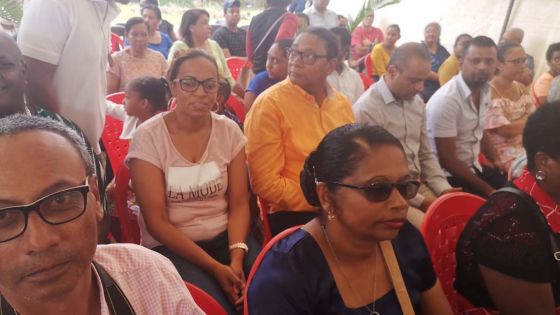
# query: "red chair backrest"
(366, 80)
(264, 210)
(235, 65)
(260, 258)
(206, 302)
(368, 63)
(115, 147)
(128, 221)
(116, 42)
(237, 106)
(441, 228)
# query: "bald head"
(513, 36)
(8, 45)
(408, 51)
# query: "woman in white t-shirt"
(188, 172)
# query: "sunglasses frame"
(365, 189)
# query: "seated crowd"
(349, 138)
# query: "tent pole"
(508, 15)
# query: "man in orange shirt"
(288, 121)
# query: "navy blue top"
(260, 82)
(294, 278)
(430, 86)
(163, 46)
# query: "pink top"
(127, 67)
(195, 192)
(542, 85)
(502, 112)
(358, 36)
(148, 280)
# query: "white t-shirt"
(74, 36)
(195, 192)
(348, 82)
(129, 122)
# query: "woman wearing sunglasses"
(335, 264)
(188, 172)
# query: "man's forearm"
(464, 174)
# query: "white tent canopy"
(540, 19)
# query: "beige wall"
(539, 18)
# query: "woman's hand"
(230, 283)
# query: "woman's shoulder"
(153, 125)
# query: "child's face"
(277, 63)
(133, 102)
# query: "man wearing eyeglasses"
(49, 261)
(287, 122)
(394, 104)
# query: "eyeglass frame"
(365, 188)
(198, 84)
(300, 54)
(518, 61)
(36, 206)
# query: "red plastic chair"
(366, 80)
(237, 106)
(368, 63)
(128, 221)
(115, 147)
(264, 210)
(235, 65)
(258, 261)
(117, 43)
(206, 302)
(441, 228)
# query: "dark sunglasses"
(381, 191)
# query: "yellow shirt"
(448, 69)
(380, 59)
(284, 125)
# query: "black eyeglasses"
(57, 208)
(518, 61)
(381, 191)
(307, 57)
(190, 84)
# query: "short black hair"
(134, 21)
(343, 35)
(551, 50)
(503, 48)
(153, 8)
(331, 42)
(338, 154)
(224, 90)
(285, 44)
(152, 89)
(15, 124)
(479, 41)
(461, 36)
(190, 17)
(541, 133)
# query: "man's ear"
(332, 64)
(94, 189)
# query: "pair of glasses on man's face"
(380, 191)
(191, 84)
(307, 57)
(57, 208)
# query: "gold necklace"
(371, 310)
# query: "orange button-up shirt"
(284, 125)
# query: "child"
(144, 97)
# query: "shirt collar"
(464, 89)
(385, 92)
(307, 96)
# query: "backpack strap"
(537, 213)
(114, 297)
(396, 277)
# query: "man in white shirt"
(456, 114)
(319, 15)
(345, 79)
(394, 104)
(50, 262)
(66, 47)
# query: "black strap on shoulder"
(114, 297)
(537, 213)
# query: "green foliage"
(180, 3)
(369, 4)
(11, 10)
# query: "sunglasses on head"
(380, 191)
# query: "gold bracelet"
(239, 245)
